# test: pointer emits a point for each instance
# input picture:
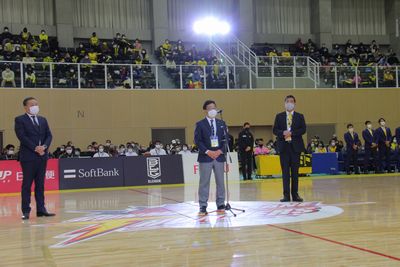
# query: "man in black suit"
(397, 135)
(370, 147)
(352, 142)
(383, 138)
(289, 127)
(35, 136)
(209, 136)
(246, 145)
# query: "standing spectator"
(246, 144)
(94, 41)
(383, 137)
(8, 77)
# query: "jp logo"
(184, 215)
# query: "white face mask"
(333, 144)
(369, 126)
(101, 150)
(158, 146)
(10, 152)
(34, 110)
(289, 106)
(351, 130)
(130, 150)
(69, 151)
(184, 148)
(383, 123)
(212, 113)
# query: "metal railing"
(298, 72)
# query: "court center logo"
(184, 215)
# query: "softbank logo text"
(90, 173)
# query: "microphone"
(220, 111)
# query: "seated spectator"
(30, 78)
(286, 53)
(43, 37)
(202, 62)
(9, 153)
(92, 55)
(137, 45)
(130, 151)
(261, 149)
(166, 48)
(5, 36)
(320, 148)
(158, 150)
(170, 64)
(121, 150)
(333, 146)
(8, 76)
(77, 153)
(388, 78)
(101, 153)
(94, 41)
(25, 35)
(273, 53)
(271, 149)
(68, 153)
(72, 78)
(185, 150)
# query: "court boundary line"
(266, 180)
(334, 242)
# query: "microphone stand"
(227, 155)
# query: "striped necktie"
(212, 128)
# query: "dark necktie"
(34, 121)
(212, 128)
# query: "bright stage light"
(211, 26)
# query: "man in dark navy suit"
(370, 147)
(383, 137)
(352, 142)
(209, 136)
(397, 134)
(289, 127)
(35, 136)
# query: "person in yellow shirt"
(388, 78)
(320, 148)
(94, 41)
(165, 48)
(43, 37)
(286, 53)
(273, 53)
(93, 56)
(25, 35)
(333, 147)
(202, 62)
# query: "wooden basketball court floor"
(345, 221)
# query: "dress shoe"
(45, 214)
(25, 216)
(297, 199)
(285, 199)
(203, 211)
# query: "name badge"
(214, 141)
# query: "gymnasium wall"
(86, 115)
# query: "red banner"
(11, 176)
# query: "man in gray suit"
(209, 136)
